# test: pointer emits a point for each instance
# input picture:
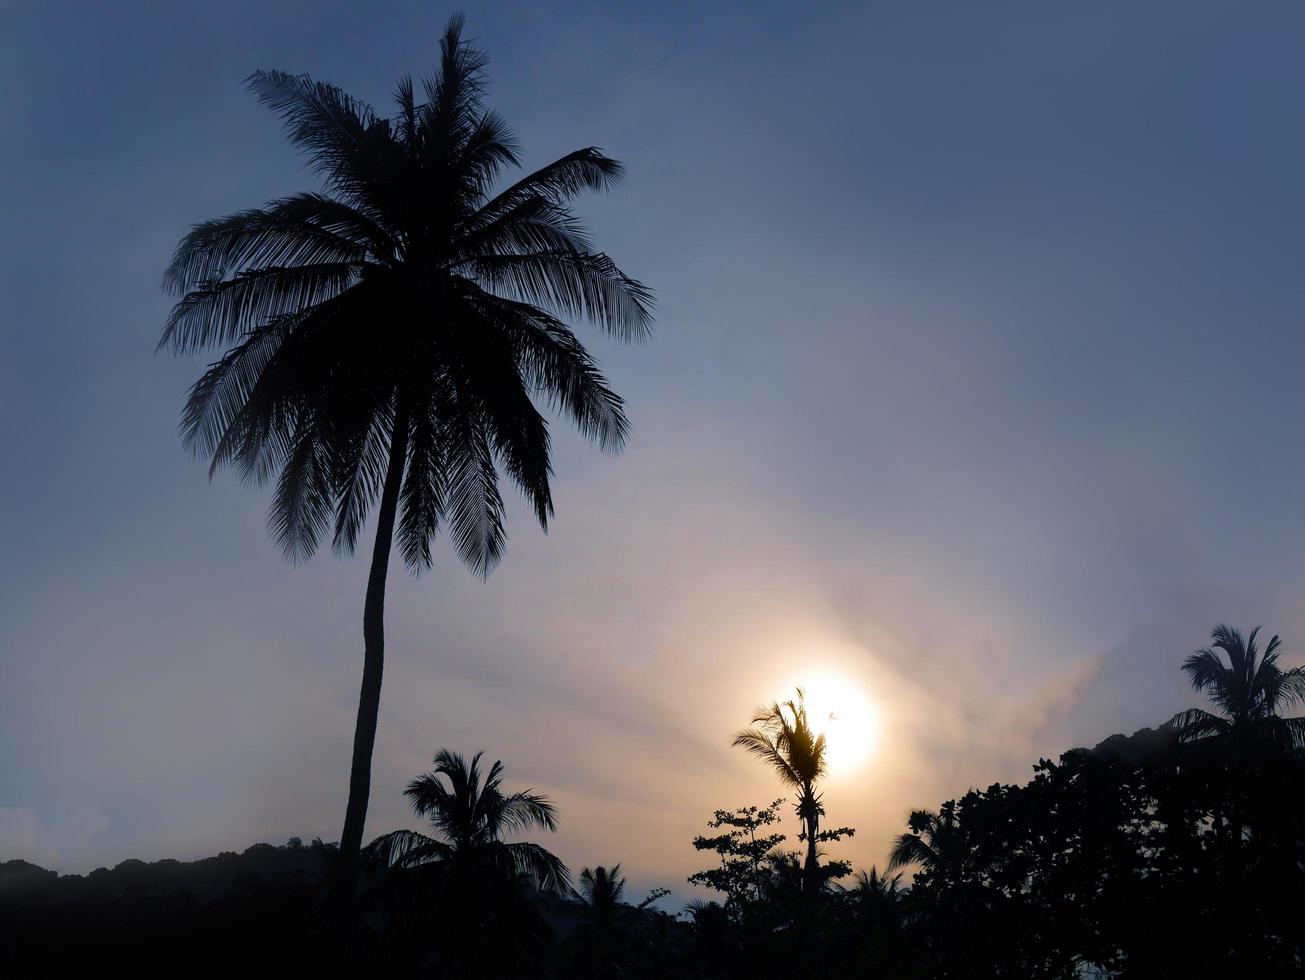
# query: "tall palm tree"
(1250, 691)
(471, 814)
(386, 342)
(782, 737)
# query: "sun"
(839, 708)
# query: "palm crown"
(602, 887)
(782, 737)
(1250, 691)
(471, 815)
(406, 309)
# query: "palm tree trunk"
(369, 697)
(811, 869)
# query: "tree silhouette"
(742, 852)
(783, 739)
(874, 889)
(935, 841)
(472, 815)
(602, 889)
(386, 342)
(466, 891)
(1250, 691)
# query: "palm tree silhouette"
(465, 892)
(783, 739)
(386, 342)
(874, 888)
(936, 842)
(602, 889)
(1249, 691)
(471, 815)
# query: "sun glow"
(839, 708)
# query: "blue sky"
(976, 383)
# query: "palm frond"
(540, 867)
(428, 795)
(453, 93)
(423, 496)
(762, 745)
(554, 362)
(534, 225)
(559, 181)
(222, 394)
(582, 284)
(1291, 687)
(360, 463)
(910, 849)
(302, 505)
(221, 311)
(1295, 731)
(1206, 671)
(1196, 723)
(528, 811)
(474, 504)
(487, 149)
(342, 137)
(403, 849)
(303, 229)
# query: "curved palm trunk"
(369, 697)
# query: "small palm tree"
(1250, 691)
(602, 889)
(877, 899)
(464, 893)
(471, 815)
(873, 887)
(935, 842)
(386, 343)
(782, 737)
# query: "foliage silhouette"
(933, 842)
(613, 937)
(385, 342)
(874, 889)
(742, 853)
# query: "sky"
(975, 389)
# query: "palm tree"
(602, 889)
(471, 815)
(386, 342)
(465, 890)
(1250, 691)
(935, 842)
(871, 887)
(784, 740)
